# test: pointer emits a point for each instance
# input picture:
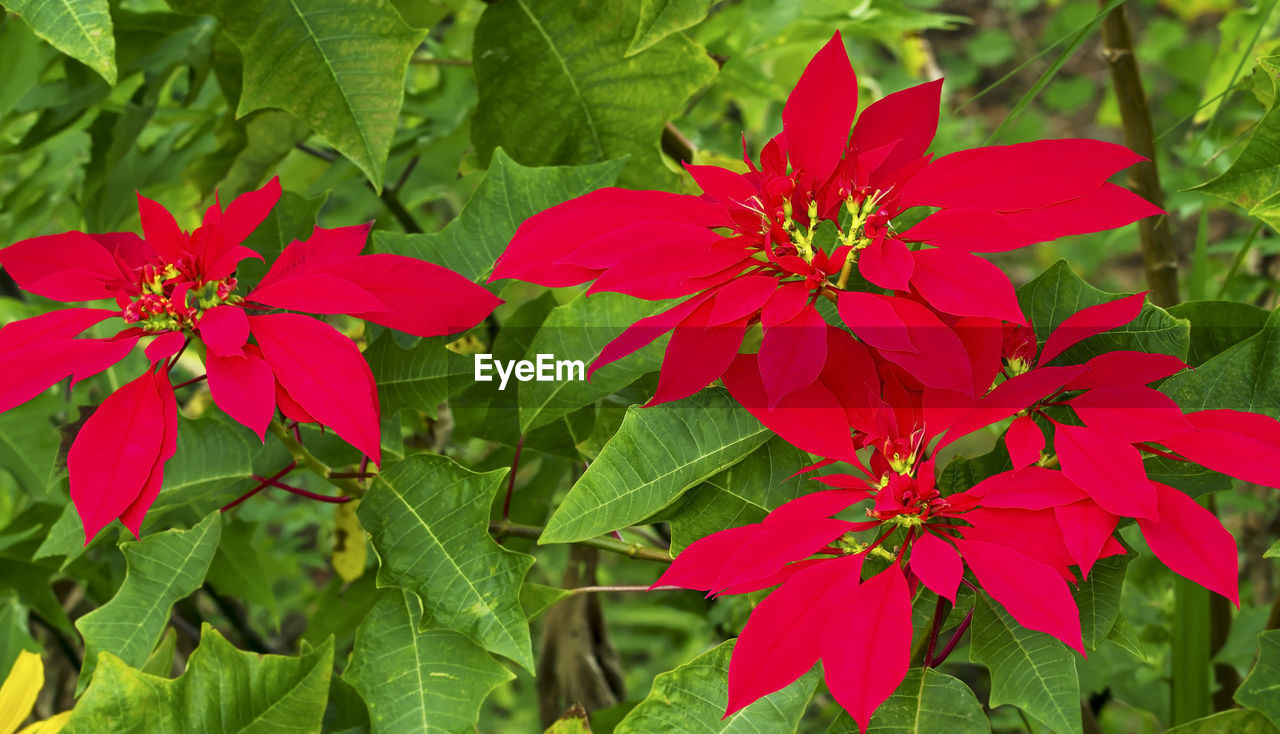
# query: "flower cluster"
(177, 287)
(932, 346)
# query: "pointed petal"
(1130, 412)
(112, 457)
(165, 346)
(723, 185)
(61, 324)
(974, 230)
(71, 266)
(866, 656)
(1108, 207)
(134, 514)
(1109, 470)
(819, 112)
(937, 564)
(965, 285)
(776, 545)
(162, 233)
(1025, 441)
(29, 371)
(783, 638)
(887, 263)
(644, 332)
(1085, 528)
(1242, 445)
(792, 354)
(224, 330)
(810, 419)
(696, 355)
(1032, 593)
(317, 293)
(1127, 368)
(248, 211)
(244, 388)
(740, 298)
(699, 565)
(1090, 321)
(1191, 541)
(909, 119)
(1011, 396)
(325, 373)
(1029, 488)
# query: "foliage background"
(177, 100)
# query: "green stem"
(504, 528)
(349, 487)
(1190, 685)
(1241, 254)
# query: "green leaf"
(509, 194)
(163, 568)
(1238, 34)
(1029, 669)
(1261, 690)
(222, 690)
(241, 567)
(213, 452)
(692, 699)
(655, 456)
(1098, 598)
(1253, 179)
(420, 377)
(1273, 551)
(441, 678)
(579, 330)
(160, 661)
(1058, 293)
(926, 700)
(661, 18)
(292, 218)
(556, 85)
(80, 29)
(1244, 377)
(742, 494)
(1235, 721)
(1217, 326)
(428, 518)
(536, 599)
(337, 65)
(248, 152)
(29, 444)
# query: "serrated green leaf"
(441, 677)
(80, 29)
(1217, 326)
(420, 377)
(163, 568)
(655, 456)
(222, 691)
(509, 194)
(1098, 598)
(1261, 690)
(1252, 180)
(337, 65)
(160, 661)
(248, 152)
(1244, 377)
(926, 700)
(661, 18)
(1273, 551)
(213, 452)
(428, 518)
(579, 330)
(1236, 721)
(240, 567)
(692, 699)
(292, 218)
(536, 599)
(29, 444)
(556, 85)
(742, 494)
(1124, 636)
(1029, 669)
(1058, 293)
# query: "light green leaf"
(163, 568)
(661, 18)
(1253, 179)
(160, 661)
(538, 598)
(1029, 669)
(691, 699)
(1235, 721)
(1261, 690)
(29, 444)
(1238, 34)
(1244, 377)
(509, 194)
(1273, 551)
(441, 678)
(742, 494)
(926, 700)
(1098, 598)
(242, 568)
(1058, 293)
(222, 691)
(579, 330)
(655, 456)
(428, 518)
(420, 377)
(80, 29)
(249, 149)
(556, 85)
(337, 65)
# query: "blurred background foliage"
(178, 125)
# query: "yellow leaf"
(350, 548)
(18, 694)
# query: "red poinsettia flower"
(764, 246)
(177, 286)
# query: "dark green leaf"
(1244, 377)
(1217, 325)
(1253, 179)
(1261, 690)
(926, 700)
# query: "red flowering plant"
(1025, 535)
(172, 288)
(750, 250)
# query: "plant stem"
(511, 480)
(1159, 255)
(261, 486)
(1239, 258)
(192, 381)
(304, 493)
(955, 640)
(631, 550)
(302, 457)
(592, 589)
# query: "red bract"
(764, 246)
(176, 286)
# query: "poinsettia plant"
(679, 377)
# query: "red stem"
(261, 486)
(955, 640)
(511, 480)
(192, 381)
(934, 629)
(302, 492)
